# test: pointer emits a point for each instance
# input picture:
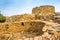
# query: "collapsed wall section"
(22, 26)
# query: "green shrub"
(2, 18)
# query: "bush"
(2, 18)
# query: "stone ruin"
(44, 10)
(41, 20)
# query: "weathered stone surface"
(25, 26)
(22, 17)
(22, 26)
(44, 10)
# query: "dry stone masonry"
(44, 10)
(42, 24)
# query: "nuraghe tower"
(29, 23)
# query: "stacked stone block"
(21, 26)
(45, 9)
(22, 17)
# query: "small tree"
(2, 18)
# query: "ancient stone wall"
(45, 9)
(57, 17)
(22, 17)
(44, 17)
(20, 26)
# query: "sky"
(15, 7)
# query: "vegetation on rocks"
(2, 18)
